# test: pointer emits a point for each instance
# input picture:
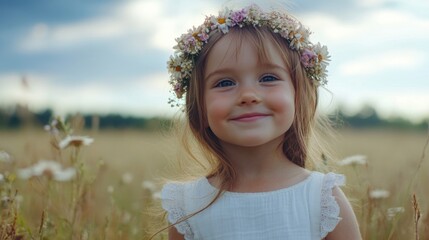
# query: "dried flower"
(353, 160)
(51, 169)
(76, 141)
(379, 194)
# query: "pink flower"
(238, 17)
(308, 58)
(178, 90)
(203, 36)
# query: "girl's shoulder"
(326, 201)
(179, 188)
(186, 196)
(180, 199)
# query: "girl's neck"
(262, 168)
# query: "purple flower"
(308, 58)
(203, 36)
(189, 43)
(238, 17)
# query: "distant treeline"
(19, 117)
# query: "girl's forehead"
(239, 55)
(232, 47)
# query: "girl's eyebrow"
(219, 71)
(267, 66)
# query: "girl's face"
(249, 101)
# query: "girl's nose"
(249, 95)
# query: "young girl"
(249, 81)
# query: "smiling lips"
(249, 117)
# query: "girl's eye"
(268, 78)
(225, 83)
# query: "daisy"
(51, 169)
(76, 141)
(379, 194)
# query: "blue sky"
(110, 56)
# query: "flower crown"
(314, 57)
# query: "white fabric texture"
(304, 211)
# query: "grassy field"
(117, 174)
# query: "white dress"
(304, 211)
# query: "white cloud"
(145, 22)
(381, 62)
(371, 28)
(42, 36)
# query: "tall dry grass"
(115, 183)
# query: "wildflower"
(76, 141)
(5, 157)
(238, 17)
(392, 212)
(1, 178)
(127, 178)
(379, 194)
(353, 160)
(308, 58)
(149, 186)
(51, 169)
(52, 127)
(322, 54)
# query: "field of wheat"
(107, 189)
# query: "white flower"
(76, 141)
(392, 212)
(51, 169)
(379, 194)
(1, 178)
(110, 189)
(5, 157)
(322, 54)
(149, 186)
(127, 178)
(353, 160)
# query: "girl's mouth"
(248, 117)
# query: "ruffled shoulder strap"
(172, 199)
(330, 210)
